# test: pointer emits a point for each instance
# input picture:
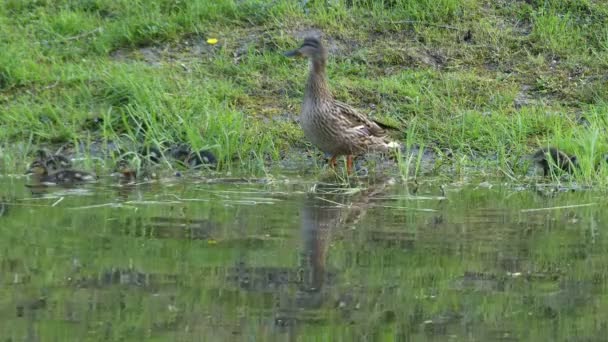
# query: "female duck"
(333, 126)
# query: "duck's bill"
(292, 53)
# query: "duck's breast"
(323, 131)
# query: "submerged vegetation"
(489, 81)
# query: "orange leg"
(332, 162)
(349, 164)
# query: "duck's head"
(311, 48)
(37, 168)
(122, 166)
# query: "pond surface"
(298, 260)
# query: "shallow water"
(295, 260)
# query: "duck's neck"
(317, 87)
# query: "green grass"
(494, 80)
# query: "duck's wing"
(353, 119)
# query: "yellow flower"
(212, 242)
(212, 41)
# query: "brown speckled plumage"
(61, 177)
(333, 126)
(53, 162)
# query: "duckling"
(180, 152)
(201, 158)
(550, 157)
(125, 171)
(151, 153)
(333, 126)
(61, 177)
(129, 172)
(184, 154)
(52, 162)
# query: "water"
(295, 260)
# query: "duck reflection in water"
(300, 292)
(324, 214)
(317, 218)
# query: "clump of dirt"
(431, 57)
(524, 98)
(152, 55)
(189, 48)
(394, 58)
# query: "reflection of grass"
(484, 80)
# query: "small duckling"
(184, 154)
(125, 171)
(180, 152)
(151, 153)
(53, 162)
(551, 157)
(201, 158)
(61, 177)
(129, 172)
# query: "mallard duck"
(333, 126)
(550, 157)
(61, 177)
